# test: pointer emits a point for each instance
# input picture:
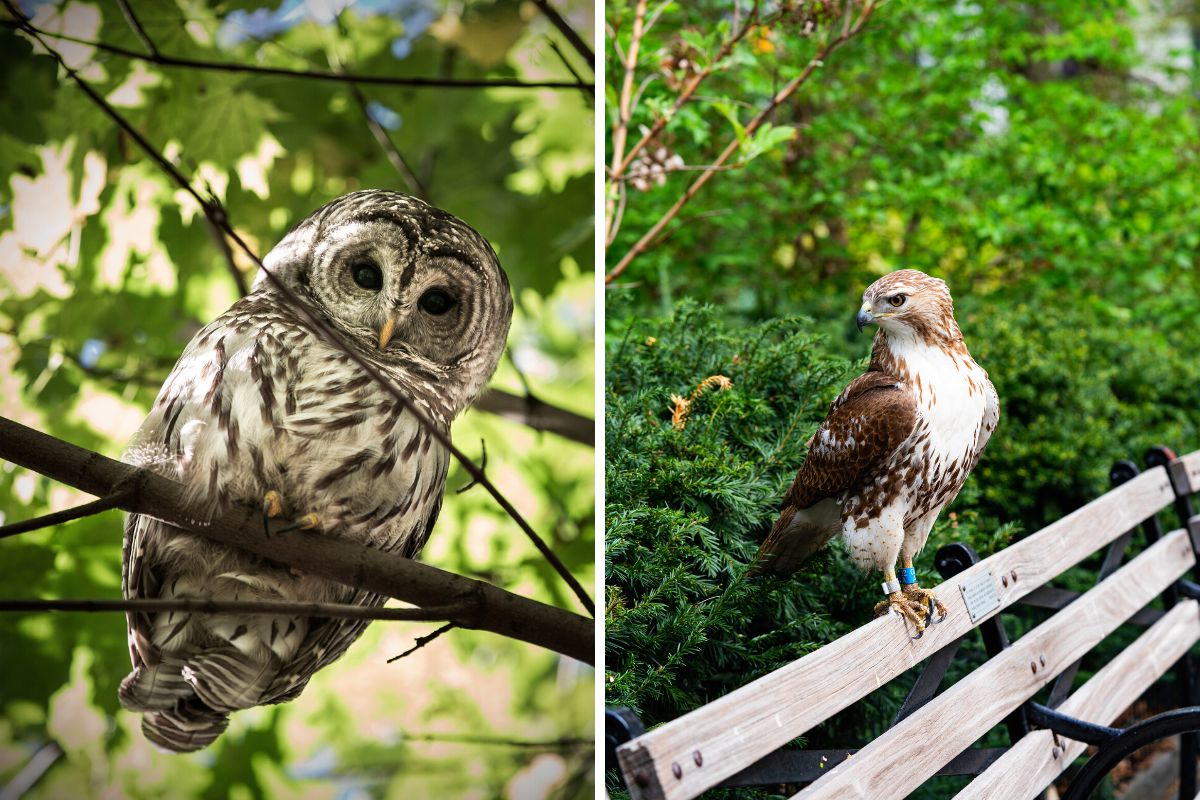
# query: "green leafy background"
(1042, 158)
(107, 269)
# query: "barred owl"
(262, 409)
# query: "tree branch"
(486, 607)
(21, 23)
(568, 33)
(268, 607)
(217, 215)
(66, 515)
(539, 415)
(424, 640)
(647, 239)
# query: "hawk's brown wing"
(865, 425)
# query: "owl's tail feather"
(154, 688)
(226, 679)
(186, 728)
(795, 537)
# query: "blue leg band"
(907, 575)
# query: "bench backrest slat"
(907, 755)
(1192, 460)
(1032, 764)
(736, 730)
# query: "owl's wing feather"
(867, 422)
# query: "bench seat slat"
(737, 729)
(906, 755)
(1030, 766)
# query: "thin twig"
(568, 32)
(382, 138)
(66, 515)
(424, 640)
(138, 30)
(218, 237)
(688, 90)
(734, 145)
(482, 465)
(625, 108)
(390, 151)
(255, 607)
(486, 607)
(566, 743)
(281, 72)
(562, 57)
(216, 213)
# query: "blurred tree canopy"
(1041, 157)
(107, 268)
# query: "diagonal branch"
(216, 213)
(485, 607)
(106, 503)
(528, 410)
(569, 33)
(827, 48)
(138, 30)
(269, 607)
(21, 23)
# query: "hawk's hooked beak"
(385, 333)
(864, 318)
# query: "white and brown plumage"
(262, 409)
(897, 445)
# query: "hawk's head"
(908, 303)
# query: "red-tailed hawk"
(896, 447)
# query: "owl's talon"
(272, 507)
(307, 522)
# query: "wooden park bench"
(736, 740)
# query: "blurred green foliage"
(1039, 157)
(107, 269)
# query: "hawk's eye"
(897, 300)
(436, 302)
(367, 275)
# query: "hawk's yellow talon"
(896, 601)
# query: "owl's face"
(404, 282)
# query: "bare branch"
(782, 95)
(281, 72)
(267, 607)
(138, 30)
(568, 33)
(486, 607)
(424, 640)
(216, 213)
(624, 105)
(539, 415)
(59, 517)
(567, 743)
(218, 237)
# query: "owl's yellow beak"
(385, 333)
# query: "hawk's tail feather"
(795, 537)
(184, 729)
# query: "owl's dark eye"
(897, 300)
(436, 302)
(367, 275)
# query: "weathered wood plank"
(1193, 469)
(736, 730)
(908, 754)
(1035, 761)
